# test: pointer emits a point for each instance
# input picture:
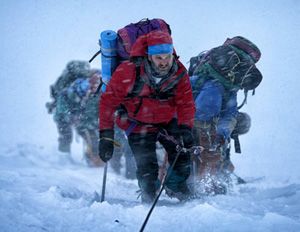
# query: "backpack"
(74, 69)
(129, 34)
(232, 64)
(115, 47)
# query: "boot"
(65, 137)
(182, 193)
(149, 190)
(148, 197)
(64, 146)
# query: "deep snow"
(42, 191)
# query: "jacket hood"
(140, 47)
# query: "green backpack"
(232, 64)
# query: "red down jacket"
(151, 110)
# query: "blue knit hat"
(160, 49)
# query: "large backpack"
(74, 69)
(232, 64)
(115, 47)
(129, 34)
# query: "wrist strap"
(115, 143)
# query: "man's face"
(162, 63)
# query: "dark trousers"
(143, 146)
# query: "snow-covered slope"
(42, 191)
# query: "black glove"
(187, 136)
(106, 144)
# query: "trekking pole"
(104, 182)
(105, 174)
(240, 180)
(195, 167)
(161, 189)
(179, 149)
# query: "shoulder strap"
(138, 83)
(245, 99)
(237, 145)
(174, 82)
(198, 85)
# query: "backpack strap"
(137, 87)
(198, 85)
(237, 144)
(245, 99)
(174, 82)
(138, 83)
(208, 69)
(94, 56)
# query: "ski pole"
(240, 180)
(179, 149)
(104, 182)
(161, 189)
(117, 144)
(195, 168)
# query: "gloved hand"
(187, 136)
(218, 142)
(106, 144)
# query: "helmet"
(243, 124)
(78, 69)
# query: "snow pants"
(143, 146)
